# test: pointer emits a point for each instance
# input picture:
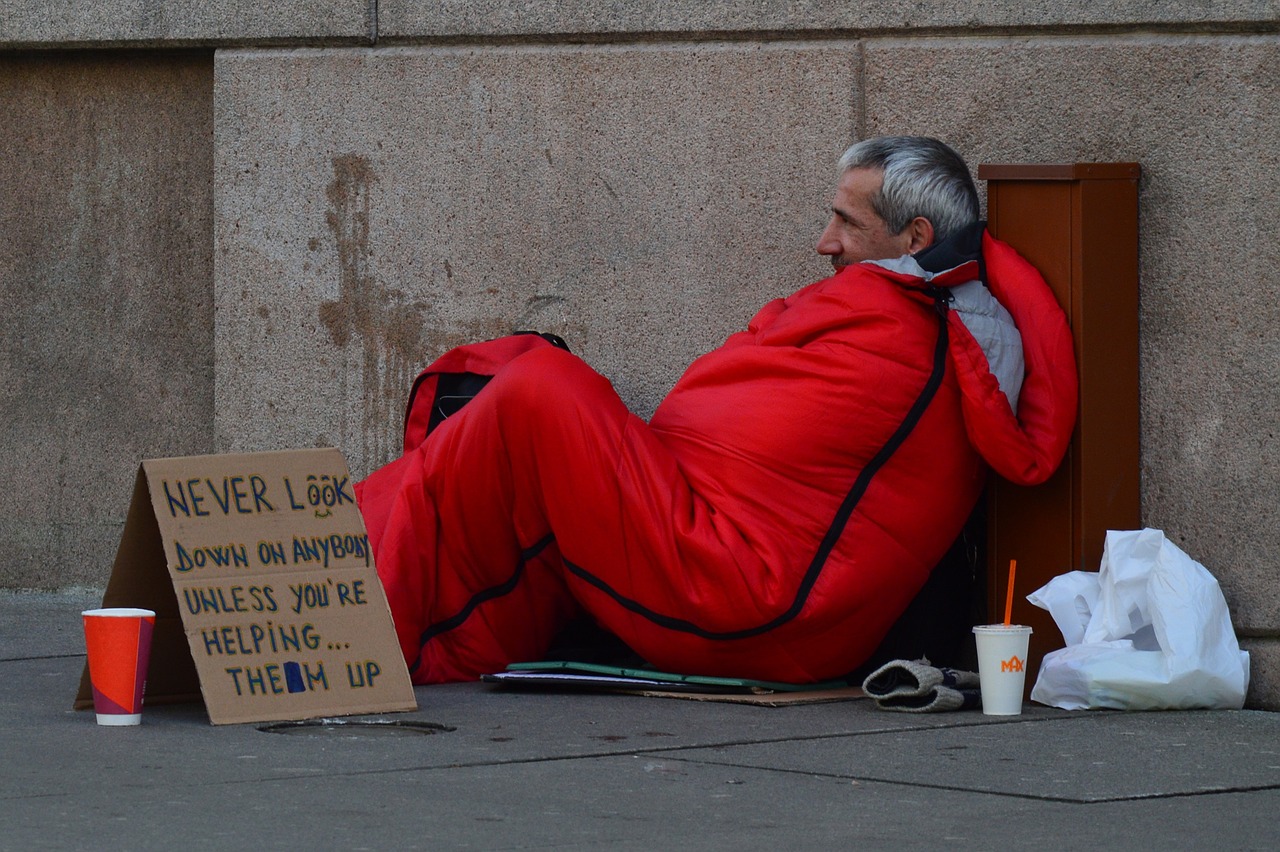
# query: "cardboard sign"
(259, 569)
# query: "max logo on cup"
(1013, 664)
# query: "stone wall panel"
(106, 308)
(376, 207)
(408, 20)
(1201, 117)
(170, 23)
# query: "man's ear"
(920, 230)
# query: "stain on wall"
(384, 328)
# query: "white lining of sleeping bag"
(987, 320)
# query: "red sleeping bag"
(773, 519)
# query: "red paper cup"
(119, 644)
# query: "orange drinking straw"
(1008, 600)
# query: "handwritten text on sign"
(241, 495)
(275, 582)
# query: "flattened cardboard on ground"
(767, 699)
(594, 677)
(267, 602)
(642, 689)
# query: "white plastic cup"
(1002, 667)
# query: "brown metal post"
(1078, 224)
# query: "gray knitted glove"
(914, 686)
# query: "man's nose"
(829, 243)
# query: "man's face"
(856, 232)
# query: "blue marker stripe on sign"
(293, 677)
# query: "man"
(789, 496)
(896, 196)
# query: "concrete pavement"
(477, 767)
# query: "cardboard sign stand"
(140, 578)
(267, 602)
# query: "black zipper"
(504, 588)
(942, 299)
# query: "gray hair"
(922, 177)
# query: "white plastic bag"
(1149, 631)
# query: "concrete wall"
(106, 308)
(374, 207)
(637, 177)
